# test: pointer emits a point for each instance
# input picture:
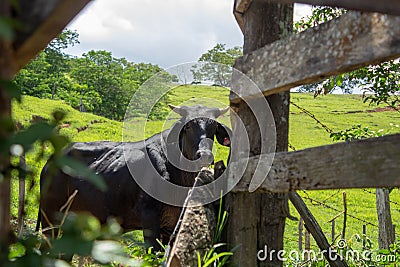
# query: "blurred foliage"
(390, 257)
(81, 235)
(356, 132)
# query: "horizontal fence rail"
(350, 42)
(391, 7)
(366, 163)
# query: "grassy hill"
(338, 112)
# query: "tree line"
(96, 82)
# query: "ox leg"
(151, 216)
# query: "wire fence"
(331, 211)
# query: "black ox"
(124, 198)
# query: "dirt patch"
(83, 128)
(96, 121)
(37, 118)
(384, 109)
(374, 110)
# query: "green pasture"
(338, 112)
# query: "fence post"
(307, 245)
(344, 215)
(386, 230)
(301, 234)
(21, 194)
(259, 219)
(333, 231)
(364, 235)
(81, 106)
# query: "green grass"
(338, 112)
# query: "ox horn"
(178, 109)
(221, 111)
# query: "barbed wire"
(332, 195)
(291, 147)
(317, 202)
(323, 203)
(373, 193)
(311, 115)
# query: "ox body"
(124, 199)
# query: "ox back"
(124, 199)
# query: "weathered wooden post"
(21, 194)
(344, 214)
(307, 245)
(196, 229)
(258, 220)
(386, 229)
(364, 230)
(300, 234)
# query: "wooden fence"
(276, 61)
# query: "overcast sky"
(163, 32)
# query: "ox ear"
(177, 109)
(221, 111)
(223, 134)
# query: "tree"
(57, 59)
(98, 71)
(382, 81)
(45, 75)
(112, 81)
(219, 74)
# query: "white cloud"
(301, 10)
(166, 32)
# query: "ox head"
(198, 126)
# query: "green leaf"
(107, 251)
(217, 256)
(70, 244)
(77, 169)
(198, 259)
(58, 115)
(58, 142)
(39, 131)
(12, 89)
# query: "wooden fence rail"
(367, 163)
